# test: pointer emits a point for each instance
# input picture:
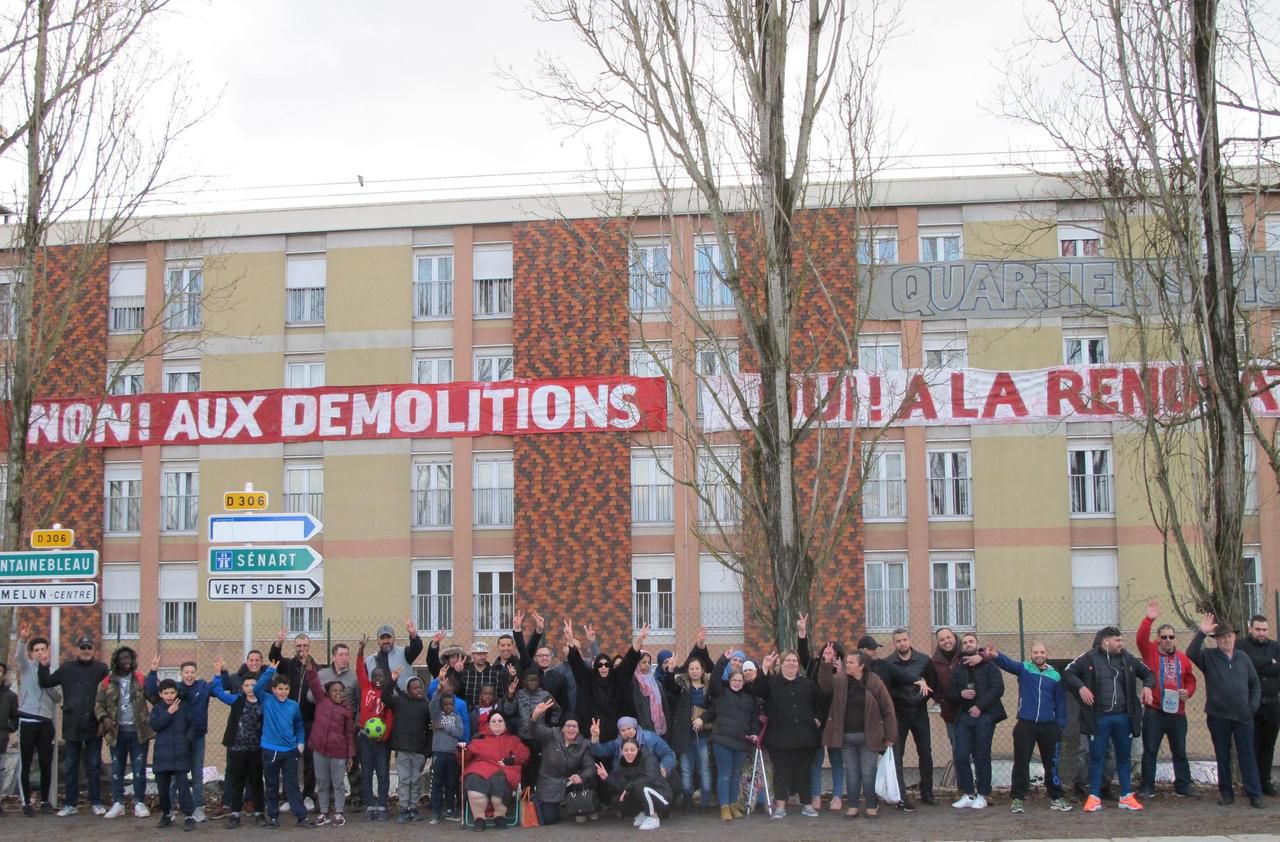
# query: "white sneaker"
(650, 823)
(199, 814)
(116, 811)
(979, 803)
(306, 802)
(67, 810)
(140, 810)
(99, 810)
(966, 801)
(640, 817)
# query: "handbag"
(528, 809)
(579, 800)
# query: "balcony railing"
(433, 611)
(721, 613)
(651, 503)
(493, 296)
(494, 506)
(1095, 607)
(432, 299)
(120, 618)
(953, 607)
(494, 612)
(304, 306)
(1091, 494)
(657, 609)
(712, 293)
(650, 291)
(304, 619)
(123, 514)
(182, 311)
(949, 497)
(180, 512)
(127, 313)
(432, 509)
(311, 502)
(884, 499)
(887, 608)
(718, 505)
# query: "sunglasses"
(1168, 637)
(86, 648)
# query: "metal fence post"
(1277, 614)
(328, 635)
(1022, 634)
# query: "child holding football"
(374, 723)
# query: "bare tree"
(759, 119)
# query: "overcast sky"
(316, 92)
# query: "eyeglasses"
(1168, 637)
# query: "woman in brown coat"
(860, 721)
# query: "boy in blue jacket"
(171, 757)
(283, 741)
(1042, 717)
(194, 693)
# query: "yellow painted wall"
(244, 293)
(379, 365)
(242, 371)
(1013, 239)
(369, 288)
(1015, 348)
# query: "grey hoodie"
(33, 701)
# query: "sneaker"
(371, 815)
(189, 824)
(1060, 804)
(1016, 806)
(929, 799)
(1130, 803)
(808, 812)
(1146, 794)
(435, 818)
(339, 820)
(140, 811)
(272, 824)
(322, 820)
(451, 816)
(906, 806)
(309, 804)
(652, 823)
(1269, 789)
(405, 817)
(116, 811)
(979, 803)
(1092, 804)
(28, 810)
(779, 814)
(67, 810)
(46, 808)
(964, 802)
(1255, 801)
(638, 820)
(580, 819)
(199, 815)
(303, 821)
(166, 820)
(99, 810)
(232, 822)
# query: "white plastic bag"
(887, 778)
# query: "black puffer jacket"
(733, 716)
(794, 708)
(603, 698)
(560, 761)
(79, 681)
(646, 771)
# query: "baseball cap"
(386, 631)
(85, 640)
(479, 648)
(868, 642)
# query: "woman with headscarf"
(602, 687)
(566, 762)
(652, 707)
(794, 705)
(862, 719)
(492, 772)
(642, 789)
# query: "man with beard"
(977, 691)
(1232, 697)
(944, 658)
(1167, 714)
(912, 680)
(1042, 717)
(79, 679)
(1265, 655)
(395, 661)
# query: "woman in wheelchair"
(491, 775)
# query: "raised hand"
(769, 661)
(1153, 609)
(437, 637)
(642, 635)
(1207, 624)
(594, 731)
(444, 673)
(702, 637)
(173, 708)
(155, 662)
(601, 772)
(275, 665)
(410, 627)
(539, 624)
(24, 632)
(219, 665)
(828, 654)
(589, 633)
(567, 628)
(517, 621)
(395, 676)
(542, 707)
(281, 635)
(802, 626)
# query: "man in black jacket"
(1232, 695)
(976, 691)
(911, 680)
(1265, 655)
(79, 679)
(1110, 710)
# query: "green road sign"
(46, 564)
(242, 560)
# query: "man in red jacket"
(1166, 713)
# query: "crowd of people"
(639, 733)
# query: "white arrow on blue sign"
(261, 527)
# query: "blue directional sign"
(262, 528)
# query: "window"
(886, 594)
(178, 584)
(432, 495)
(304, 488)
(126, 297)
(495, 595)
(433, 368)
(720, 598)
(1079, 241)
(494, 364)
(651, 485)
(653, 599)
(8, 304)
(719, 471)
(1089, 469)
(653, 360)
(305, 617)
(1095, 589)
(492, 277)
(878, 248)
(304, 289)
(950, 350)
(182, 378)
(650, 277)
(940, 244)
(494, 489)
(124, 379)
(1252, 581)
(123, 504)
(121, 592)
(432, 286)
(181, 499)
(303, 374)
(884, 490)
(433, 595)
(715, 358)
(1085, 350)
(879, 352)
(949, 484)
(952, 587)
(708, 273)
(1250, 475)
(183, 289)
(1272, 224)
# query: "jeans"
(791, 773)
(91, 751)
(444, 781)
(195, 777)
(696, 755)
(375, 759)
(859, 764)
(1266, 726)
(330, 771)
(1155, 725)
(277, 765)
(1110, 728)
(1224, 732)
(837, 771)
(548, 812)
(729, 765)
(409, 766)
(244, 773)
(167, 781)
(1028, 735)
(915, 721)
(129, 748)
(973, 742)
(35, 737)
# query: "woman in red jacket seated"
(492, 771)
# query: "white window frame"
(433, 367)
(653, 499)
(432, 493)
(122, 499)
(710, 291)
(1086, 490)
(433, 285)
(649, 276)
(302, 373)
(1086, 344)
(711, 358)
(883, 352)
(1079, 236)
(1095, 588)
(951, 349)
(177, 616)
(494, 493)
(493, 281)
(179, 498)
(718, 504)
(304, 617)
(306, 276)
(1253, 580)
(498, 358)
(936, 235)
(1250, 475)
(888, 607)
(127, 298)
(957, 605)
(186, 375)
(183, 294)
(432, 611)
(720, 605)
(951, 492)
(884, 491)
(125, 378)
(878, 247)
(1271, 223)
(649, 360)
(494, 603)
(653, 593)
(121, 610)
(304, 486)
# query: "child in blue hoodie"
(283, 741)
